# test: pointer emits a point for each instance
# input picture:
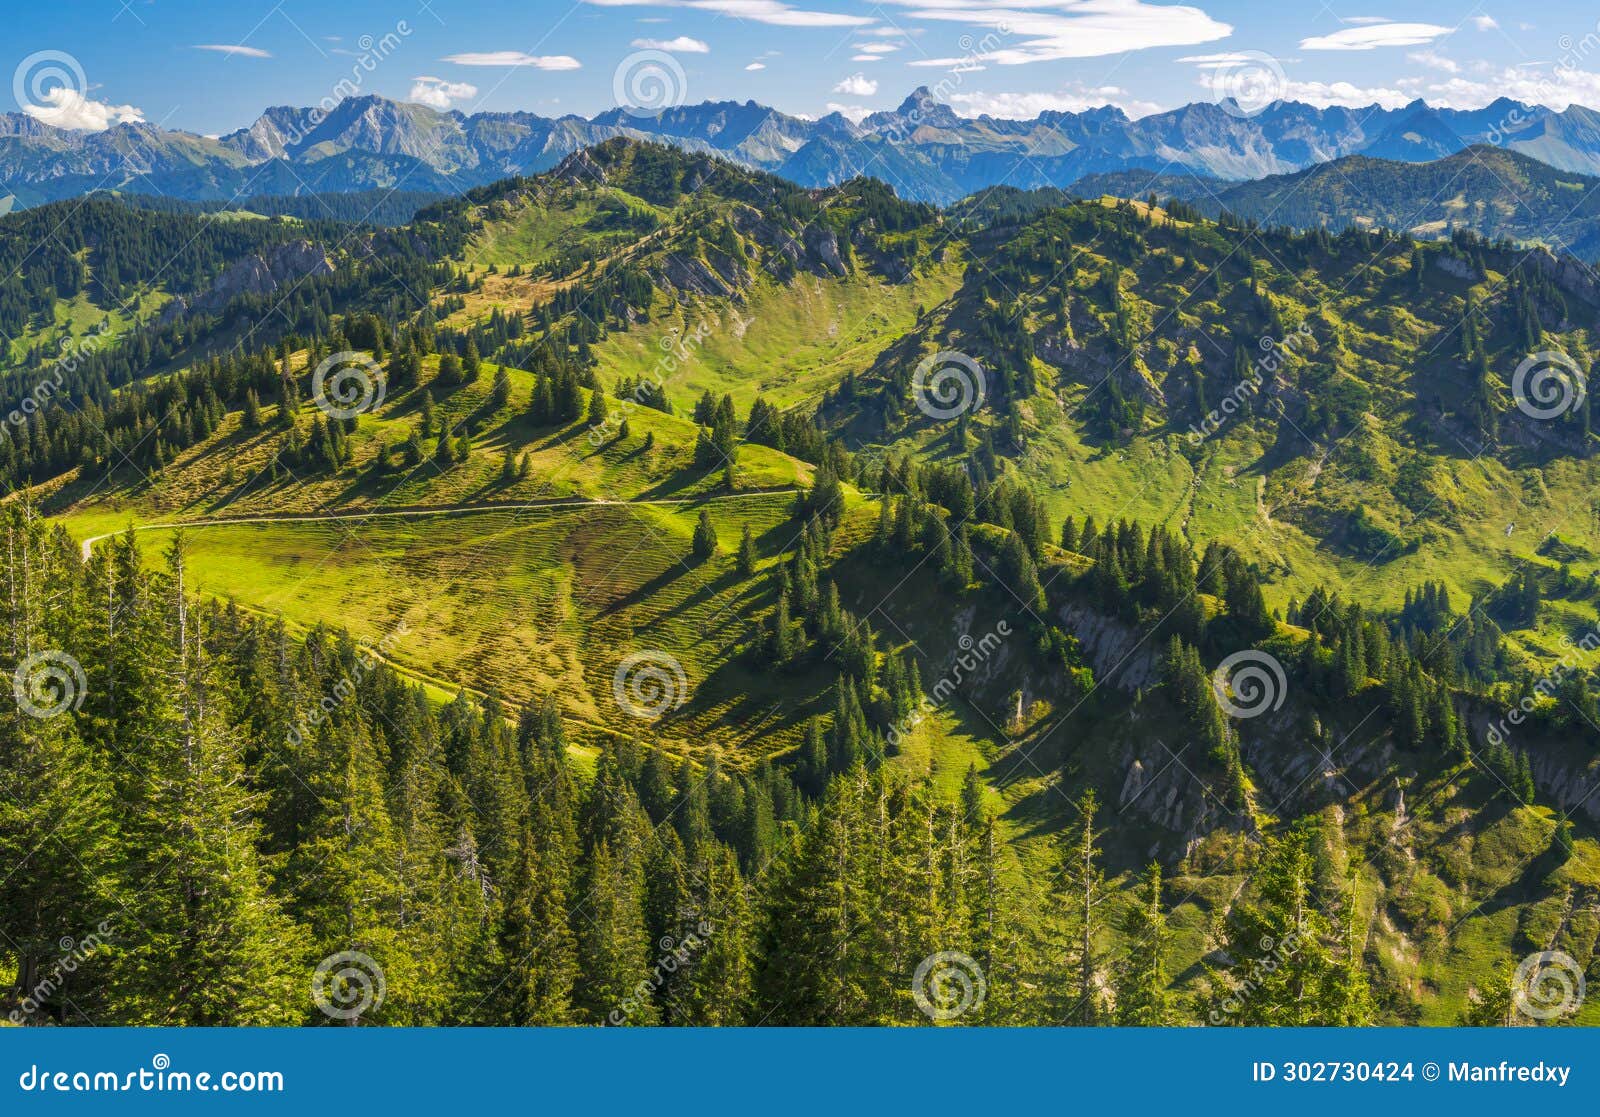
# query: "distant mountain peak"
(923, 148)
(916, 99)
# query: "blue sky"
(211, 67)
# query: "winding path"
(430, 510)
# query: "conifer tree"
(705, 537)
(1142, 996)
(748, 558)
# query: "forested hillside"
(656, 593)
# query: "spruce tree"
(705, 537)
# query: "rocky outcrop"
(257, 274)
(1119, 653)
(822, 246)
(692, 275)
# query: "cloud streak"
(1050, 30)
(681, 45)
(772, 12)
(514, 58)
(1371, 36)
(234, 49)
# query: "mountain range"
(922, 148)
(652, 407)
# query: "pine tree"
(1142, 996)
(613, 942)
(1079, 892)
(539, 948)
(209, 944)
(748, 558)
(705, 537)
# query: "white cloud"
(877, 48)
(67, 108)
(866, 58)
(439, 94)
(857, 85)
(1023, 31)
(1026, 106)
(758, 11)
(682, 45)
(1556, 88)
(853, 113)
(1434, 61)
(756, 66)
(513, 58)
(1484, 23)
(1215, 61)
(225, 48)
(1351, 96)
(1373, 35)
